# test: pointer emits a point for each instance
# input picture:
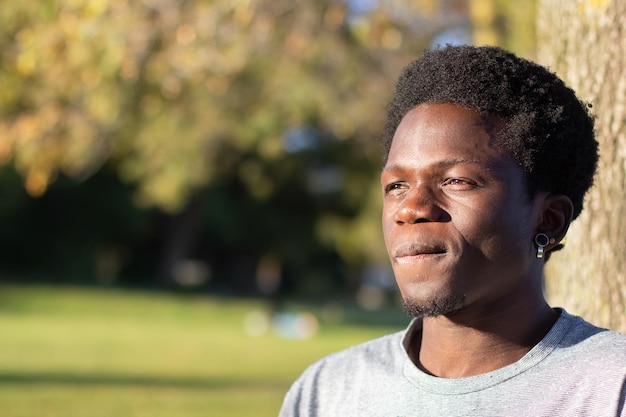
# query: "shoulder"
(585, 336)
(593, 347)
(380, 352)
(585, 374)
(335, 382)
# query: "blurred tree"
(80, 232)
(253, 124)
(164, 86)
(585, 42)
(505, 23)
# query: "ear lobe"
(555, 217)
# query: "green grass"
(68, 352)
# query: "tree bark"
(584, 42)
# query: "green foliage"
(71, 231)
(504, 23)
(113, 111)
(160, 87)
(75, 352)
(184, 100)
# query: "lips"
(418, 250)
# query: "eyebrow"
(447, 163)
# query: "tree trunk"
(584, 42)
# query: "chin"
(435, 306)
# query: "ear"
(554, 218)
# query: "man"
(487, 160)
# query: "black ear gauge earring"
(541, 240)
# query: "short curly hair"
(547, 129)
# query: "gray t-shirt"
(576, 370)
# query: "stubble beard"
(434, 307)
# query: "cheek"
(496, 233)
(387, 226)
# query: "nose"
(419, 205)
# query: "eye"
(394, 187)
(459, 184)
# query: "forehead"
(443, 131)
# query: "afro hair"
(546, 128)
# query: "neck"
(467, 343)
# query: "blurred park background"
(189, 202)
(230, 146)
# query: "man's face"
(457, 222)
